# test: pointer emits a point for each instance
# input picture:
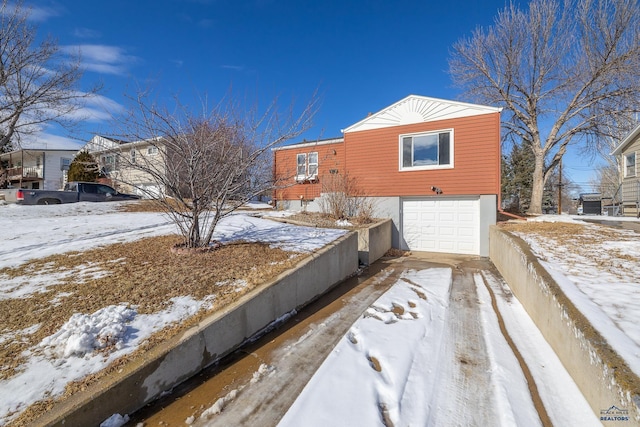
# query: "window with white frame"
(430, 150)
(132, 155)
(301, 172)
(152, 150)
(312, 165)
(307, 166)
(630, 164)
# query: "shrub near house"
(431, 165)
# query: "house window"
(108, 163)
(307, 166)
(152, 150)
(301, 172)
(630, 164)
(65, 163)
(431, 150)
(312, 171)
(132, 155)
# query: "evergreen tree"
(84, 168)
(517, 177)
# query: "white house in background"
(629, 153)
(120, 160)
(32, 168)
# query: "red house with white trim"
(431, 165)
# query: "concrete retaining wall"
(374, 241)
(601, 374)
(166, 366)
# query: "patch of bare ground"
(145, 274)
(319, 219)
(150, 205)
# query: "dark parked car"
(73, 192)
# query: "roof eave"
(625, 142)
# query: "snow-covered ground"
(601, 276)
(73, 352)
(391, 353)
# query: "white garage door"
(442, 225)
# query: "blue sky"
(360, 56)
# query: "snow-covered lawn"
(88, 342)
(598, 268)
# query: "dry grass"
(581, 244)
(318, 219)
(150, 205)
(145, 274)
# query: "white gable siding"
(419, 109)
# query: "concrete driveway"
(257, 385)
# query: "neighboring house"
(122, 163)
(629, 153)
(431, 165)
(43, 169)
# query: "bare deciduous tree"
(207, 165)
(37, 85)
(561, 70)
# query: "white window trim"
(132, 155)
(635, 165)
(299, 176)
(316, 163)
(152, 150)
(401, 168)
(306, 176)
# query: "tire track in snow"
(533, 388)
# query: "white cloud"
(102, 58)
(36, 13)
(86, 33)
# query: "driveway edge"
(606, 381)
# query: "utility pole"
(560, 188)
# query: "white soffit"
(626, 141)
(419, 109)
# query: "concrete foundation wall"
(374, 241)
(488, 218)
(600, 373)
(168, 365)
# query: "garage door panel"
(442, 225)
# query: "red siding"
(330, 157)
(373, 156)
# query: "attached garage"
(441, 224)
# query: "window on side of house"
(132, 155)
(307, 166)
(108, 163)
(312, 169)
(301, 172)
(152, 150)
(630, 164)
(432, 150)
